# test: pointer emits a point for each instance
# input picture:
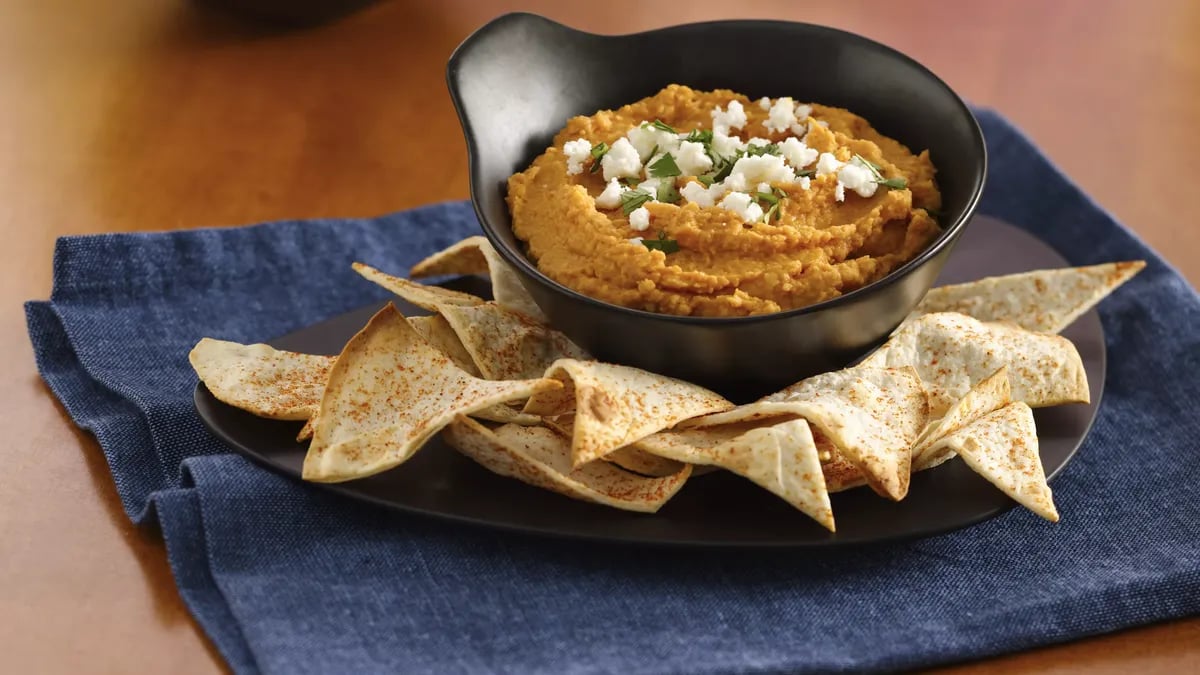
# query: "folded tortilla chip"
(541, 457)
(992, 393)
(476, 255)
(642, 463)
(441, 336)
(871, 415)
(388, 392)
(781, 458)
(508, 345)
(953, 352)
(1002, 446)
(425, 297)
(260, 379)
(617, 405)
(1046, 301)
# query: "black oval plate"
(718, 509)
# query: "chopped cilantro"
(889, 183)
(806, 173)
(662, 243)
(759, 150)
(667, 192)
(665, 167)
(598, 153)
(767, 197)
(705, 180)
(702, 136)
(633, 200)
(662, 126)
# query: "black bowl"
(516, 81)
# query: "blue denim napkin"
(287, 578)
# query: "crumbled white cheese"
(610, 198)
(692, 160)
(650, 185)
(760, 169)
(645, 137)
(701, 196)
(726, 145)
(764, 103)
(803, 111)
(782, 115)
(733, 117)
(805, 182)
(758, 142)
(763, 187)
(827, 163)
(639, 219)
(621, 160)
(741, 204)
(858, 178)
(635, 240)
(839, 193)
(577, 152)
(797, 153)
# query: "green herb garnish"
(705, 180)
(702, 136)
(768, 197)
(759, 150)
(667, 192)
(662, 243)
(772, 200)
(662, 126)
(889, 183)
(936, 214)
(598, 153)
(633, 200)
(807, 173)
(665, 167)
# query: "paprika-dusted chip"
(541, 457)
(476, 255)
(260, 379)
(389, 392)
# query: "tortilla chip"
(541, 457)
(992, 393)
(441, 336)
(617, 405)
(642, 463)
(476, 255)
(1046, 301)
(952, 353)
(307, 431)
(425, 297)
(508, 345)
(781, 458)
(388, 392)
(260, 379)
(871, 415)
(1002, 446)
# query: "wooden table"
(159, 114)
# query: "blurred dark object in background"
(290, 12)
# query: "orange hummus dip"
(710, 204)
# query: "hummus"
(710, 204)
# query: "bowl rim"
(947, 237)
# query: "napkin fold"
(285, 577)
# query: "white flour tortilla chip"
(871, 415)
(617, 405)
(426, 297)
(508, 345)
(952, 353)
(1046, 301)
(388, 392)
(781, 458)
(260, 379)
(476, 255)
(641, 462)
(992, 393)
(541, 457)
(441, 336)
(1002, 446)
(307, 431)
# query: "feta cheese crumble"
(797, 153)
(621, 161)
(827, 164)
(701, 196)
(639, 219)
(577, 151)
(764, 103)
(741, 204)
(732, 117)
(782, 115)
(725, 145)
(610, 198)
(692, 160)
(749, 171)
(858, 178)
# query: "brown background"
(156, 114)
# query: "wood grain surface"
(164, 114)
